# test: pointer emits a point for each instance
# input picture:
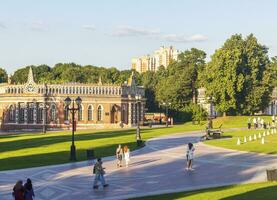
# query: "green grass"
(235, 121)
(38, 149)
(257, 191)
(230, 142)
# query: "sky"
(110, 32)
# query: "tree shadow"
(50, 139)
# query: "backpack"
(94, 169)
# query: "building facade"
(161, 57)
(34, 106)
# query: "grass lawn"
(230, 142)
(257, 191)
(38, 149)
(235, 121)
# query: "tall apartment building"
(162, 56)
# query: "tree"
(3, 76)
(237, 77)
(194, 60)
(273, 72)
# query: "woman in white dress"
(190, 151)
(126, 155)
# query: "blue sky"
(111, 32)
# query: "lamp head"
(67, 101)
(78, 100)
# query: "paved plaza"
(159, 167)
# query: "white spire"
(30, 76)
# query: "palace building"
(36, 106)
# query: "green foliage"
(3, 76)
(198, 113)
(238, 76)
(273, 71)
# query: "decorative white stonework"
(30, 86)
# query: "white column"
(142, 112)
(35, 113)
(129, 113)
(26, 113)
(17, 113)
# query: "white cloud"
(2, 26)
(89, 27)
(183, 38)
(134, 31)
(38, 26)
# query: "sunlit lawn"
(257, 191)
(38, 149)
(270, 146)
(235, 121)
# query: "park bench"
(215, 133)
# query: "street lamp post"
(138, 136)
(166, 111)
(44, 107)
(73, 110)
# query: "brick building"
(34, 106)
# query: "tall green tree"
(3, 76)
(238, 77)
(273, 72)
(194, 61)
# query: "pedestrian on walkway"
(99, 172)
(126, 155)
(190, 151)
(249, 123)
(29, 191)
(119, 155)
(18, 190)
(255, 122)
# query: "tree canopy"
(238, 76)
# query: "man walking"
(99, 172)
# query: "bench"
(215, 133)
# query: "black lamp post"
(73, 110)
(166, 111)
(138, 136)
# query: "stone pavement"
(156, 168)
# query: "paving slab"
(157, 168)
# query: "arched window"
(53, 112)
(100, 113)
(21, 113)
(90, 113)
(66, 114)
(40, 115)
(80, 113)
(30, 113)
(11, 113)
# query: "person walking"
(119, 155)
(18, 190)
(249, 123)
(29, 191)
(126, 155)
(255, 122)
(262, 123)
(99, 172)
(190, 152)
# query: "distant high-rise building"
(161, 57)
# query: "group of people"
(26, 192)
(23, 192)
(260, 123)
(99, 170)
(122, 153)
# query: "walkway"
(156, 168)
